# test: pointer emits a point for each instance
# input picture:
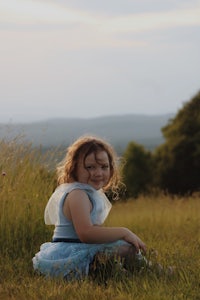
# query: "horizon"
(12, 122)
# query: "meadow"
(169, 225)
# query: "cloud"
(153, 21)
(27, 12)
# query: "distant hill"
(118, 130)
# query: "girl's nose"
(98, 172)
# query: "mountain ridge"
(118, 130)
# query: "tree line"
(174, 166)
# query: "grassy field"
(170, 226)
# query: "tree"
(137, 171)
(178, 159)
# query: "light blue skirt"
(70, 260)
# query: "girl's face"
(95, 170)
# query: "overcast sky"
(89, 58)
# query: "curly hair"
(81, 148)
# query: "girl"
(78, 208)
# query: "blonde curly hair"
(81, 148)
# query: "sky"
(91, 58)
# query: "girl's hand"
(133, 239)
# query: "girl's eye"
(89, 168)
(105, 167)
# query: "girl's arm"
(77, 208)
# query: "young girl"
(78, 208)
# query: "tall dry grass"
(168, 225)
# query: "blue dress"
(72, 259)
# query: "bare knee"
(126, 251)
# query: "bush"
(137, 171)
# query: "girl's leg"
(123, 257)
(126, 254)
(130, 258)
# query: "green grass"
(169, 226)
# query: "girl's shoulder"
(55, 203)
(68, 187)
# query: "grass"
(168, 225)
